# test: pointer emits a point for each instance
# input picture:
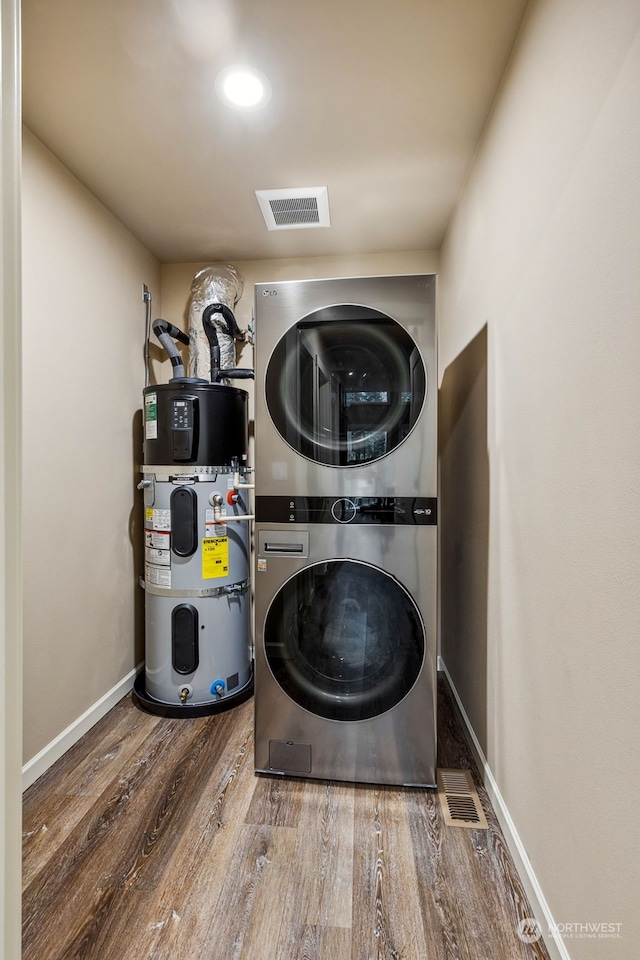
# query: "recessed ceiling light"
(243, 87)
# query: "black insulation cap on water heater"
(193, 421)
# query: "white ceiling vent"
(294, 208)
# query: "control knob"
(343, 510)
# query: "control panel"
(183, 427)
(402, 511)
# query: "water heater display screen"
(182, 414)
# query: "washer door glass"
(344, 640)
(345, 385)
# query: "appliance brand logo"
(269, 293)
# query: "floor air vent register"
(459, 800)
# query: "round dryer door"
(345, 385)
(344, 640)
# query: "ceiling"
(381, 101)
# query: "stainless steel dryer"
(346, 512)
(346, 377)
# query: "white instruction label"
(157, 547)
(157, 539)
(157, 576)
(161, 558)
(157, 519)
(151, 416)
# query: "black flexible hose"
(209, 328)
(217, 372)
(227, 314)
(163, 326)
(236, 373)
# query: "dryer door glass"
(344, 640)
(345, 385)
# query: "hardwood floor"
(153, 838)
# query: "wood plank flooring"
(153, 838)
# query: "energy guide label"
(215, 557)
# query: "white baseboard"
(35, 767)
(539, 906)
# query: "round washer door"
(344, 640)
(345, 385)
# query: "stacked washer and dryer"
(345, 530)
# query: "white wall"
(544, 252)
(83, 373)
(10, 485)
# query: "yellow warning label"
(215, 557)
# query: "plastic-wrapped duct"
(219, 283)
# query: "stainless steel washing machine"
(346, 523)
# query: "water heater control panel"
(183, 427)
